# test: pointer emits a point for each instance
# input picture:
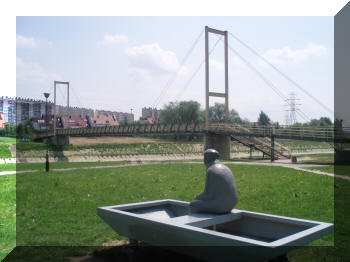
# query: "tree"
(217, 114)
(263, 119)
(170, 114)
(189, 111)
(20, 131)
(234, 117)
(323, 121)
(181, 112)
(9, 130)
(326, 120)
(25, 130)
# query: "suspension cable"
(62, 94)
(196, 72)
(283, 74)
(75, 95)
(173, 77)
(269, 83)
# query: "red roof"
(104, 120)
(77, 121)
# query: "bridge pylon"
(219, 142)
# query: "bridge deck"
(299, 133)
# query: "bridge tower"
(211, 140)
(60, 140)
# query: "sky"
(124, 63)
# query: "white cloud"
(286, 55)
(152, 58)
(114, 39)
(33, 72)
(25, 42)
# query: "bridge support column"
(59, 140)
(220, 143)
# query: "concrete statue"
(220, 194)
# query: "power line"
(173, 77)
(283, 74)
(196, 72)
(269, 83)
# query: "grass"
(8, 167)
(59, 208)
(5, 142)
(321, 159)
(4, 150)
(340, 251)
(8, 140)
(300, 145)
(7, 214)
(31, 149)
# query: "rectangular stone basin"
(167, 223)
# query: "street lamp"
(47, 134)
(131, 113)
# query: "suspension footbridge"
(217, 135)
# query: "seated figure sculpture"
(220, 194)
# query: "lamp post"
(131, 113)
(47, 134)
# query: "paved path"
(301, 167)
(7, 160)
(4, 173)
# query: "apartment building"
(149, 112)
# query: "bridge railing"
(313, 133)
(326, 133)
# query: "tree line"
(190, 112)
(23, 130)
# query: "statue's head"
(210, 155)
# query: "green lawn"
(7, 167)
(4, 150)
(5, 142)
(340, 251)
(322, 159)
(59, 208)
(7, 214)
(10, 140)
(301, 145)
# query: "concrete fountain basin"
(167, 223)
